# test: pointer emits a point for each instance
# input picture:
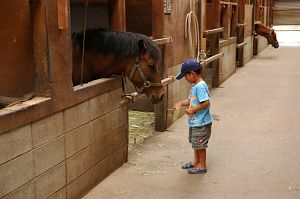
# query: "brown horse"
(109, 52)
(268, 33)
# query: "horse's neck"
(263, 31)
(107, 65)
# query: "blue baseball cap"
(188, 66)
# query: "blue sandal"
(188, 165)
(196, 170)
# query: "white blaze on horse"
(109, 52)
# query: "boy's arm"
(201, 106)
(179, 104)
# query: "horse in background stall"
(109, 52)
(268, 33)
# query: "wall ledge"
(227, 42)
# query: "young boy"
(199, 118)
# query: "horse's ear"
(142, 46)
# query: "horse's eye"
(151, 65)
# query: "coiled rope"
(191, 20)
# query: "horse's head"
(144, 73)
(273, 39)
(109, 52)
(268, 33)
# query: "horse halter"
(136, 67)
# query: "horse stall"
(257, 13)
(219, 34)
(166, 26)
(180, 31)
(63, 120)
(224, 41)
(260, 17)
(56, 140)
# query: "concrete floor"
(254, 151)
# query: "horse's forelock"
(151, 47)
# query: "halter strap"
(136, 67)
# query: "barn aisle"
(254, 150)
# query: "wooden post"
(270, 7)
(118, 17)
(202, 21)
(203, 17)
(62, 14)
(214, 46)
(160, 109)
(240, 32)
(234, 21)
(40, 41)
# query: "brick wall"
(67, 153)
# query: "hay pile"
(141, 126)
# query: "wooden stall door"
(17, 76)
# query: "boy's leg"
(202, 158)
(201, 166)
(196, 157)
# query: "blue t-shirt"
(199, 93)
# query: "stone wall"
(262, 44)
(66, 154)
(248, 49)
(177, 91)
(228, 61)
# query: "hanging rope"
(192, 20)
(83, 40)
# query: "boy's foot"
(196, 170)
(188, 165)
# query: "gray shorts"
(199, 136)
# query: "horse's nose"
(162, 96)
(155, 98)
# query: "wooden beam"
(241, 44)
(117, 17)
(160, 109)
(162, 41)
(240, 32)
(62, 14)
(214, 43)
(228, 3)
(202, 19)
(241, 24)
(40, 42)
(90, 1)
(213, 31)
(257, 22)
(168, 80)
(157, 18)
(211, 59)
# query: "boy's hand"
(189, 111)
(177, 105)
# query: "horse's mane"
(117, 43)
(259, 27)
